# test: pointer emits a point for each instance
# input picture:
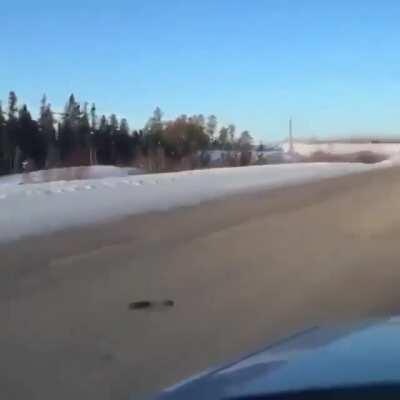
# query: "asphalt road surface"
(241, 272)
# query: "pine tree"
(66, 140)
(11, 132)
(114, 125)
(72, 111)
(103, 123)
(12, 106)
(3, 167)
(71, 133)
(154, 132)
(103, 142)
(48, 132)
(124, 127)
(84, 128)
(114, 131)
(93, 118)
(43, 104)
(30, 142)
(123, 143)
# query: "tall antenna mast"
(291, 150)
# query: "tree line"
(78, 136)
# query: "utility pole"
(291, 149)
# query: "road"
(242, 272)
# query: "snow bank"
(14, 179)
(45, 207)
(69, 174)
(392, 161)
(307, 149)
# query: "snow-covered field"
(45, 207)
(307, 149)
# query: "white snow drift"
(341, 148)
(36, 208)
(69, 174)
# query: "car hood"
(362, 353)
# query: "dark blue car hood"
(365, 353)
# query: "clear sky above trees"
(332, 65)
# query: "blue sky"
(332, 65)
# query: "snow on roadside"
(342, 148)
(46, 207)
(68, 174)
(393, 160)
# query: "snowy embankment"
(45, 207)
(341, 148)
(69, 174)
